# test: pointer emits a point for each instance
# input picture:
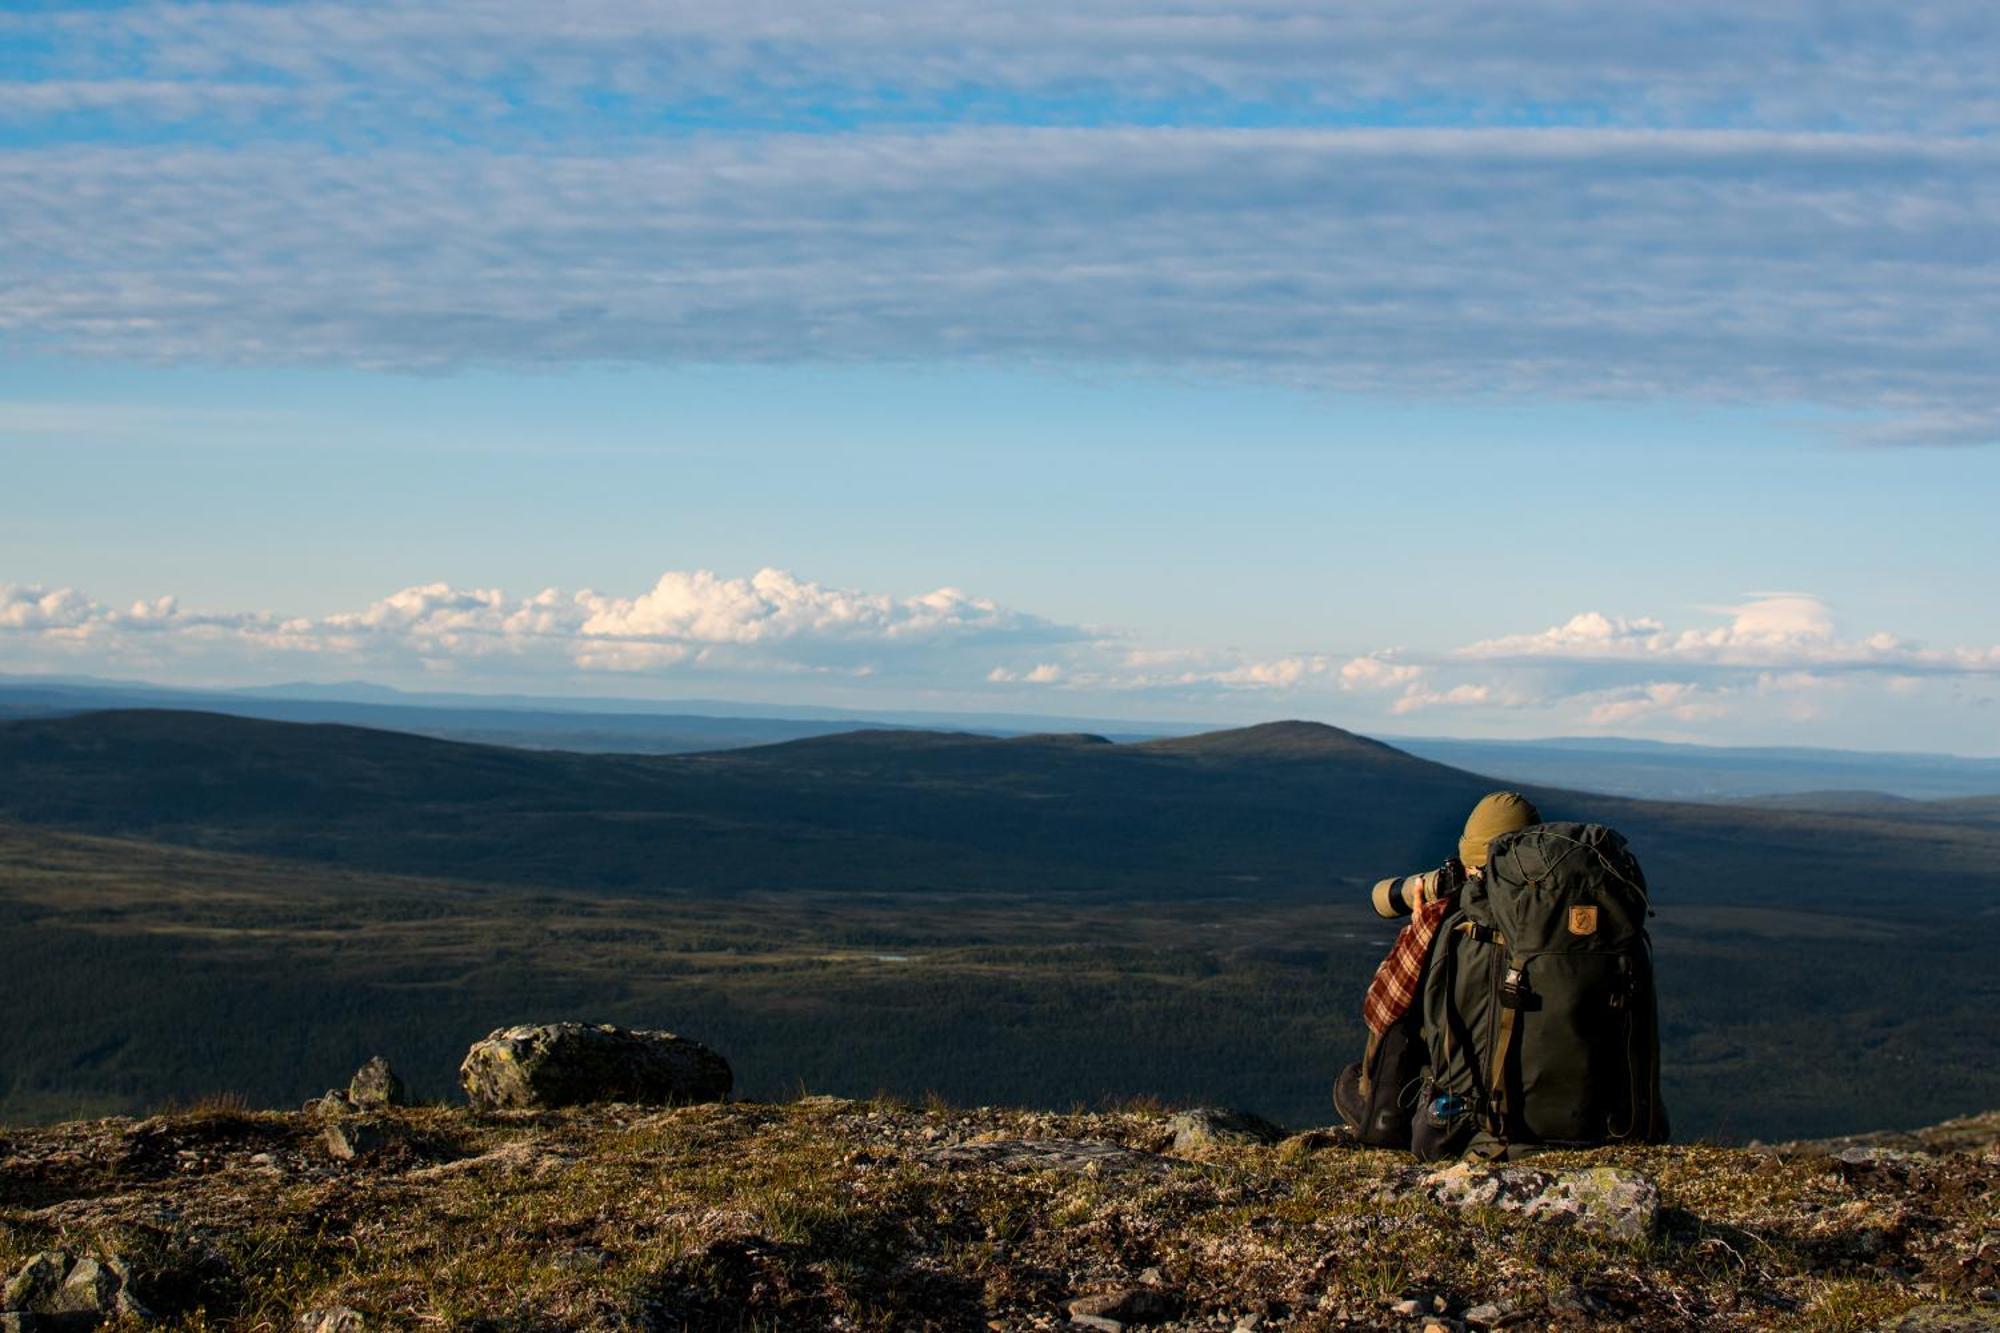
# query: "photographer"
(1376, 1095)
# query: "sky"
(1523, 369)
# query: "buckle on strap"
(1485, 934)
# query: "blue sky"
(1458, 368)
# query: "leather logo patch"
(1583, 920)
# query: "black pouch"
(1443, 1125)
(1380, 1116)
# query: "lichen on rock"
(1602, 1200)
(376, 1085)
(551, 1065)
(1195, 1129)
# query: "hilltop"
(827, 1214)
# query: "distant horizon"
(705, 706)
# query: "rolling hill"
(192, 903)
(1290, 806)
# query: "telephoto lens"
(1400, 897)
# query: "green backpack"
(1539, 1009)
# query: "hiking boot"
(1348, 1098)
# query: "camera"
(1400, 897)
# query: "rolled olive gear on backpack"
(1540, 1015)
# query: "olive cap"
(1501, 812)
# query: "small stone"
(1439, 1324)
(375, 1085)
(346, 1140)
(1575, 1300)
(1875, 1156)
(90, 1288)
(1249, 1323)
(1084, 1157)
(1126, 1305)
(332, 1104)
(1484, 1316)
(1310, 1141)
(35, 1281)
(1097, 1322)
(1213, 1124)
(584, 1258)
(1407, 1308)
(335, 1319)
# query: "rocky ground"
(877, 1215)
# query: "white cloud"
(1377, 671)
(774, 606)
(1731, 266)
(44, 610)
(1750, 201)
(1417, 698)
(474, 66)
(1775, 659)
(1042, 673)
(1678, 699)
(771, 621)
(1771, 630)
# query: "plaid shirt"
(1394, 988)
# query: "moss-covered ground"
(825, 1213)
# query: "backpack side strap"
(1512, 992)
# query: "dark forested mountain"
(1288, 805)
(191, 902)
(1650, 770)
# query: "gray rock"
(334, 1103)
(90, 1288)
(1603, 1200)
(572, 1064)
(35, 1281)
(1577, 1301)
(1077, 1156)
(1096, 1322)
(375, 1085)
(79, 1294)
(335, 1319)
(1126, 1305)
(1215, 1124)
(1309, 1141)
(345, 1140)
(1488, 1315)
